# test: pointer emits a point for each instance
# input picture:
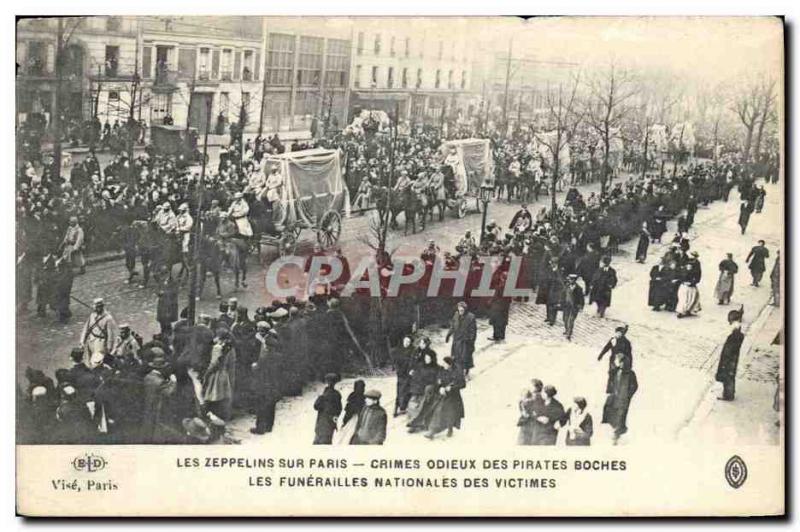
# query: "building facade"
(99, 64)
(272, 74)
(420, 66)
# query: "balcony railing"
(166, 77)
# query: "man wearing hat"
(73, 244)
(463, 330)
(157, 388)
(239, 210)
(266, 378)
(273, 187)
(756, 260)
(99, 334)
(618, 344)
(328, 406)
(572, 304)
(166, 219)
(371, 426)
(603, 282)
(729, 357)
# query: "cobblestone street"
(674, 359)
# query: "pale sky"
(707, 49)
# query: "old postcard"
(432, 266)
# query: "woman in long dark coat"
(448, 410)
(531, 403)
(552, 412)
(644, 243)
(657, 291)
(423, 375)
(623, 385)
(328, 406)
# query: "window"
(37, 57)
(204, 67)
(224, 104)
(374, 79)
(112, 61)
(438, 78)
(441, 49)
(309, 67)
(404, 80)
(450, 80)
(113, 96)
(227, 65)
(357, 81)
(391, 46)
(377, 43)
(390, 78)
(249, 65)
(160, 105)
(360, 45)
(73, 61)
(408, 47)
(337, 63)
(280, 59)
(463, 79)
(419, 78)
(113, 24)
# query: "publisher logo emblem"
(89, 463)
(735, 472)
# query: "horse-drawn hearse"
(313, 196)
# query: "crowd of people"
(187, 381)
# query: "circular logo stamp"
(735, 472)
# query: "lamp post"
(486, 193)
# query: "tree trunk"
(644, 162)
(604, 171)
(56, 118)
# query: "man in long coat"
(757, 261)
(572, 304)
(328, 406)
(371, 425)
(73, 245)
(99, 334)
(604, 281)
(403, 361)
(157, 388)
(499, 308)
(267, 379)
(729, 360)
(239, 210)
(167, 306)
(463, 330)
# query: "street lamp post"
(486, 193)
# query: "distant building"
(422, 66)
(99, 66)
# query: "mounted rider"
(403, 182)
(185, 224)
(166, 219)
(274, 186)
(239, 210)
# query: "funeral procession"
(348, 231)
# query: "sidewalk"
(751, 418)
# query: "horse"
(211, 257)
(234, 249)
(437, 197)
(157, 250)
(395, 207)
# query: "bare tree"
(749, 108)
(563, 116)
(768, 114)
(609, 101)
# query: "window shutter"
(215, 64)
(237, 64)
(257, 66)
(146, 58)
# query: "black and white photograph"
(556, 239)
